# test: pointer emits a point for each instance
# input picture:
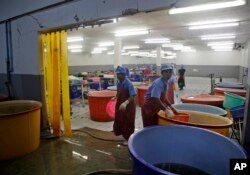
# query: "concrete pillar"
(117, 52)
(158, 60)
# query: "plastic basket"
(237, 112)
(232, 100)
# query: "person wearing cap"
(155, 98)
(124, 123)
(181, 79)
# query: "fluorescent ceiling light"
(212, 22)
(189, 50)
(104, 44)
(210, 26)
(222, 50)
(131, 47)
(218, 36)
(111, 53)
(76, 50)
(132, 32)
(100, 49)
(172, 45)
(132, 52)
(115, 20)
(223, 43)
(210, 6)
(157, 41)
(221, 47)
(75, 47)
(74, 39)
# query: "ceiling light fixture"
(131, 47)
(223, 50)
(210, 6)
(157, 41)
(75, 47)
(223, 43)
(99, 49)
(131, 32)
(172, 45)
(210, 26)
(74, 39)
(212, 22)
(75, 50)
(96, 52)
(104, 44)
(222, 47)
(218, 36)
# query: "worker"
(181, 79)
(171, 89)
(124, 123)
(155, 98)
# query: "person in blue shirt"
(124, 123)
(155, 98)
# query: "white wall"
(209, 58)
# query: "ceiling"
(162, 24)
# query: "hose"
(110, 171)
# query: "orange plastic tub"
(98, 101)
(213, 100)
(208, 121)
(141, 92)
(19, 128)
(220, 91)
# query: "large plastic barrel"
(19, 128)
(232, 100)
(98, 101)
(181, 145)
(220, 91)
(213, 100)
(211, 122)
(201, 108)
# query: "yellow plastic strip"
(65, 86)
(49, 78)
(56, 83)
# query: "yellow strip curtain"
(56, 86)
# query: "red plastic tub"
(220, 91)
(213, 100)
(98, 101)
(141, 92)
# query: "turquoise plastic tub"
(201, 108)
(232, 100)
(182, 145)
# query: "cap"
(120, 70)
(166, 67)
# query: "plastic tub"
(141, 92)
(237, 112)
(201, 108)
(213, 100)
(211, 122)
(176, 144)
(98, 101)
(220, 91)
(233, 85)
(232, 100)
(19, 128)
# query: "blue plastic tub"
(201, 108)
(237, 112)
(190, 146)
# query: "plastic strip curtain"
(55, 66)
